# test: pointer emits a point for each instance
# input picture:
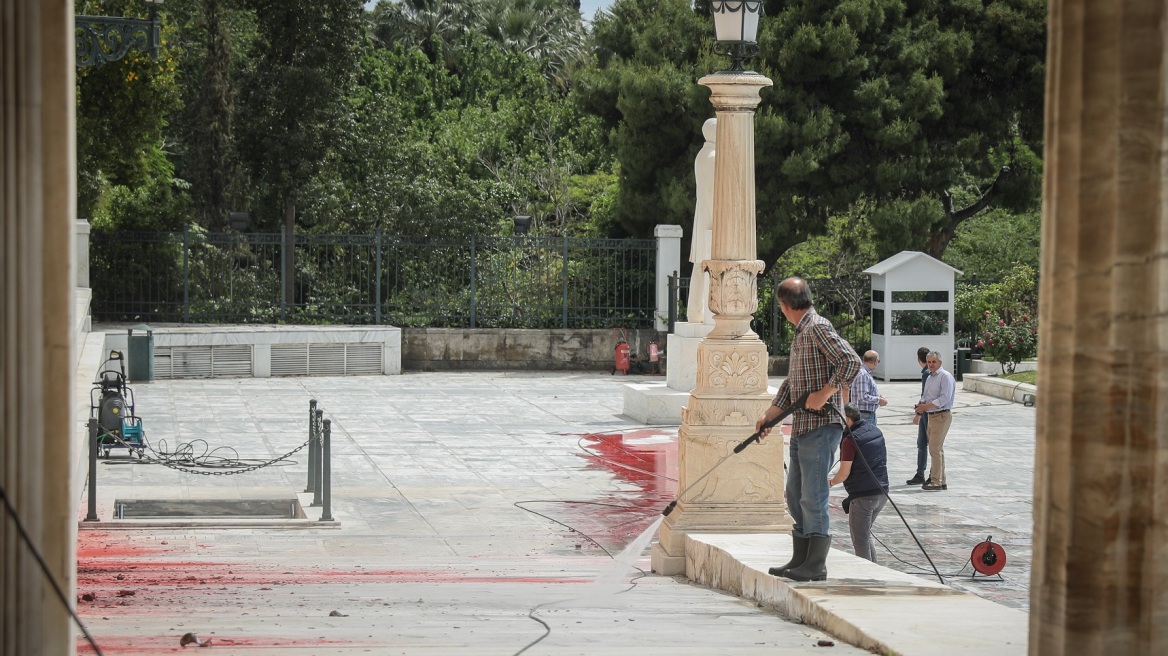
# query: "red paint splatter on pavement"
(103, 544)
(170, 644)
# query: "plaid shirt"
(819, 356)
(864, 394)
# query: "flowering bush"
(1009, 343)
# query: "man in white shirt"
(937, 404)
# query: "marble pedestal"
(661, 403)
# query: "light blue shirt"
(940, 389)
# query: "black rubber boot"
(815, 567)
(800, 545)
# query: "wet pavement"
(472, 506)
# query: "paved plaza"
(474, 510)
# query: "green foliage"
(1014, 296)
(300, 67)
(1008, 342)
(122, 110)
(991, 243)
(919, 115)
(210, 42)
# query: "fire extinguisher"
(622, 358)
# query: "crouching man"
(867, 485)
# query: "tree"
(301, 66)
(211, 36)
(643, 90)
(931, 111)
(921, 114)
(122, 110)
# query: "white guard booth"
(912, 306)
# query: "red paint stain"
(103, 544)
(155, 582)
(644, 464)
(170, 644)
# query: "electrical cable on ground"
(520, 504)
(36, 554)
(531, 614)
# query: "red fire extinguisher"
(622, 358)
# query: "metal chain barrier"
(188, 470)
(319, 461)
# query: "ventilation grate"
(235, 361)
(289, 359)
(363, 359)
(202, 361)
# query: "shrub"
(1009, 343)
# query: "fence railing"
(507, 282)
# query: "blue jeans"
(922, 445)
(869, 416)
(811, 458)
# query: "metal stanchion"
(315, 448)
(91, 515)
(311, 446)
(327, 515)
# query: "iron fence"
(513, 282)
(846, 301)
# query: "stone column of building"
(37, 213)
(1100, 569)
(745, 492)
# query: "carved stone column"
(1100, 568)
(745, 493)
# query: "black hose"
(860, 455)
(36, 554)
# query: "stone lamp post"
(745, 493)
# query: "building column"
(37, 235)
(1100, 570)
(744, 494)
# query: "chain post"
(327, 515)
(315, 447)
(311, 450)
(91, 515)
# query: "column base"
(668, 555)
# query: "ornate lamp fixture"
(736, 29)
(102, 39)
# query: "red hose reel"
(988, 557)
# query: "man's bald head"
(795, 294)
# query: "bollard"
(315, 446)
(327, 515)
(311, 449)
(91, 515)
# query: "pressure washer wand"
(799, 404)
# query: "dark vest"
(869, 442)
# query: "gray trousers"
(862, 514)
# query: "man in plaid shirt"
(822, 364)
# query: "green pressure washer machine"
(111, 403)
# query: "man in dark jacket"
(866, 489)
